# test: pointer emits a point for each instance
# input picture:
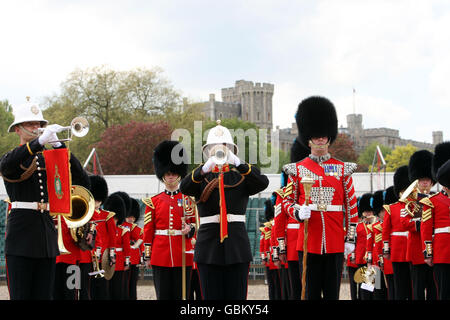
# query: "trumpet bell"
(79, 127)
(219, 154)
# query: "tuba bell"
(365, 275)
(83, 207)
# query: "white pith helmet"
(27, 112)
(220, 135)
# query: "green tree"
(365, 158)
(7, 140)
(399, 157)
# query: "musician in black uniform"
(223, 261)
(31, 238)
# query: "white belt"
(118, 249)
(30, 205)
(293, 225)
(168, 232)
(442, 230)
(216, 218)
(332, 207)
(401, 234)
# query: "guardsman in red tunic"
(421, 274)
(363, 235)
(105, 235)
(273, 275)
(395, 238)
(332, 209)
(374, 245)
(118, 283)
(165, 223)
(136, 240)
(435, 226)
(286, 228)
(385, 264)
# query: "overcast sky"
(396, 54)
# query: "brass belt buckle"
(42, 206)
(171, 232)
(322, 207)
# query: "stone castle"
(252, 102)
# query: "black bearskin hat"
(99, 188)
(299, 151)
(135, 209)
(443, 174)
(268, 209)
(441, 155)
(364, 204)
(389, 196)
(115, 204)
(163, 162)
(401, 180)
(377, 203)
(420, 165)
(316, 117)
(126, 200)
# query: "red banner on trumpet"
(59, 181)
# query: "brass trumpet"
(79, 127)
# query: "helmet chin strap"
(312, 145)
(172, 184)
(30, 133)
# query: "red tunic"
(122, 245)
(162, 230)
(332, 188)
(361, 243)
(286, 227)
(136, 233)
(106, 229)
(414, 252)
(436, 220)
(395, 236)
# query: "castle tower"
(438, 137)
(255, 100)
(356, 131)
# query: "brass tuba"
(412, 207)
(365, 275)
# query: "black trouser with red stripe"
(295, 279)
(442, 276)
(30, 278)
(168, 282)
(402, 281)
(423, 281)
(323, 275)
(224, 282)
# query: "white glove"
(207, 167)
(302, 212)
(233, 159)
(49, 134)
(348, 248)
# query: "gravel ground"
(256, 291)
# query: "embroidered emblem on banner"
(57, 183)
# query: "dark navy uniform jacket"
(235, 248)
(32, 233)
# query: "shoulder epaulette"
(378, 226)
(124, 230)
(427, 201)
(349, 168)
(387, 207)
(280, 192)
(288, 189)
(148, 202)
(370, 227)
(268, 224)
(290, 169)
(110, 214)
(262, 230)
